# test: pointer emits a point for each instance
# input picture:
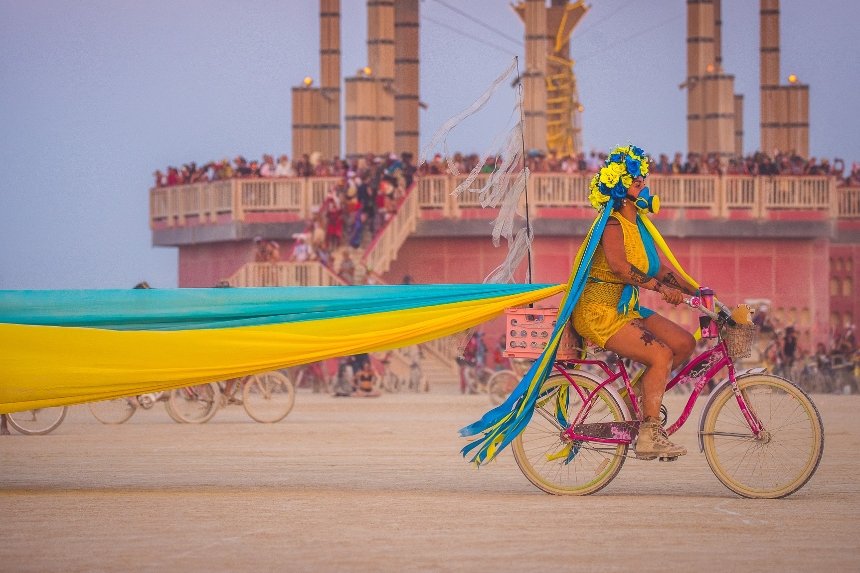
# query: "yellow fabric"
(596, 316)
(45, 366)
(658, 238)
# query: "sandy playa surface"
(378, 485)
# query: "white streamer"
(442, 133)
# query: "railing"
(721, 197)
(849, 202)
(383, 250)
(311, 273)
(718, 196)
(173, 206)
(443, 349)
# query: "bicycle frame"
(698, 372)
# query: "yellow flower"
(610, 174)
(597, 199)
(626, 180)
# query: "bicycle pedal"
(646, 457)
(668, 458)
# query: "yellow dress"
(596, 315)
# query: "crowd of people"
(308, 165)
(314, 165)
(757, 163)
(355, 209)
(829, 366)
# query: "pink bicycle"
(761, 435)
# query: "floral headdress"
(616, 176)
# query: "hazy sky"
(97, 94)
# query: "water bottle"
(709, 326)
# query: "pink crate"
(528, 332)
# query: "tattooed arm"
(613, 247)
(670, 278)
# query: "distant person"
(346, 271)
(365, 383)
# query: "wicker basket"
(739, 339)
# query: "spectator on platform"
(266, 251)
(302, 251)
(284, 167)
(267, 169)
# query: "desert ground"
(349, 484)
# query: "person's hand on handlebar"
(670, 294)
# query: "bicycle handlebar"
(722, 315)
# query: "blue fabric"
(182, 309)
(628, 293)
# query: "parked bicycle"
(266, 397)
(36, 422)
(311, 376)
(502, 382)
(191, 405)
(761, 435)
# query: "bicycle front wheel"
(268, 397)
(114, 411)
(195, 404)
(783, 458)
(37, 422)
(500, 385)
(589, 466)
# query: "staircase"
(439, 363)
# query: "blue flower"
(637, 150)
(619, 191)
(614, 158)
(633, 166)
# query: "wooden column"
(380, 58)
(361, 116)
(700, 55)
(769, 74)
(329, 120)
(534, 77)
(306, 112)
(406, 77)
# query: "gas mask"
(645, 202)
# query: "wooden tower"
(406, 80)
(316, 110)
(784, 108)
(712, 107)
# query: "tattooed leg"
(640, 344)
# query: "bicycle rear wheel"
(114, 411)
(194, 404)
(787, 454)
(268, 397)
(500, 385)
(536, 449)
(37, 422)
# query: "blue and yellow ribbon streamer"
(69, 347)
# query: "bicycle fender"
(715, 392)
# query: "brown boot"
(653, 442)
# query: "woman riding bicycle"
(616, 259)
(608, 313)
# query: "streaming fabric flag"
(70, 347)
